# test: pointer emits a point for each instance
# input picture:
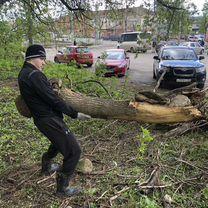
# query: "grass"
(113, 147)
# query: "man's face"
(38, 63)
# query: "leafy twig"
(97, 83)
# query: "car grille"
(184, 71)
(111, 67)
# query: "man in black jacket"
(47, 111)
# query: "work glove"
(82, 116)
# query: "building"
(106, 24)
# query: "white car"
(195, 45)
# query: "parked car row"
(114, 62)
(194, 45)
(181, 63)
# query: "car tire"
(89, 65)
(202, 51)
(129, 66)
(154, 76)
(200, 86)
(56, 60)
(132, 50)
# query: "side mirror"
(201, 57)
(98, 57)
(127, 57)
(60, 52)
(156, 57)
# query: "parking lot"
(140, 73)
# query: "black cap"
(35, 51)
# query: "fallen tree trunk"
(148, 107)
(126, 110)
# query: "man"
(46, 109)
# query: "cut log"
(126, 110)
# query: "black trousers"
(62, 140)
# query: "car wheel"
(128, 66)
(202, 51)
(89, 65)
(154, 76)
(78, 65)
(200, 86)
(132, 50)
(56, 60)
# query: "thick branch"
(77, 8)
(168, 6)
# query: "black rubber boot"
(63, 189)
(48, 167)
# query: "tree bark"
(126, 110)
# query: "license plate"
(183, 80)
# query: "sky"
(198, 3)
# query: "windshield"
(129, 37)
(83, 50)
(112, 55)
(178, 54)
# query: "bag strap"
(31, 73)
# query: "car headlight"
(163, 68)
(121, 66)
(200, 70)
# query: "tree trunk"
(126, 110)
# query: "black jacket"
(39, 96)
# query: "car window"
(114, 55)
(83, 50)
(178, 54)
(67, 50)
(166, 55)
(183, 44)
(197, 45)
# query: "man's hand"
(82, 116)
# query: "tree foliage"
(35, 18)
(174, 16)
(10, 41)
(204, 19)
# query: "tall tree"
(204, 20)
(175, 15)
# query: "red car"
(115, 61)
(79, 54)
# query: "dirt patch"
(12, 84)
